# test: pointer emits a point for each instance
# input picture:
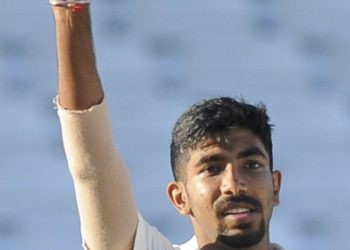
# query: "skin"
(79, 84)
(217, 172)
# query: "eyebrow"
(247, 152)
(251, 151)
(210, 158)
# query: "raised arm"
(103, 191)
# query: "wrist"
(68, 6)
(68, 3)
(73, 15)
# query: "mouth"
(240, 216)
(237, 211)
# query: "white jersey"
(149, 238)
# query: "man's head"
(221, 156)
(213, 119)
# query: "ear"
(178, 197)
(277, 177)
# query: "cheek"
(266, 193)
(203, 194)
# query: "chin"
(242, 236)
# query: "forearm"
(79, 84)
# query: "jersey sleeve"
(149, 238)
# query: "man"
(221, 156)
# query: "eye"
(252, 165)
(213, 169)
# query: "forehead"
(234, 141)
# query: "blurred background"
(155, 59)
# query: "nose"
(233, 182)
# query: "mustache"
(226, 203)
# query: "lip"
(240, 215)
(238, 210)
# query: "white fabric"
(149, 238)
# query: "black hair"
(213, 118)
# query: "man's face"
(230, 190)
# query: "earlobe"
(277, 177)
(178, 197)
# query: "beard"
(247, 236)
